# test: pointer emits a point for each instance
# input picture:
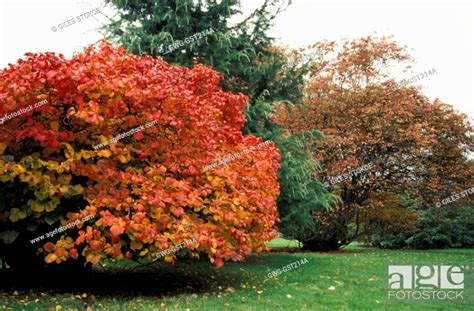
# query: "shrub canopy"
(147, 191)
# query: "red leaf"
(219, 262)
(49, 247)
(73, 253)
(138, 136)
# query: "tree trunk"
(318, 244)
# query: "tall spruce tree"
(188, 32)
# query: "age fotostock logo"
(424, 282)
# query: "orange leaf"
(178, 211)
(116, 230)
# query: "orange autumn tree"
(147, 191)
(414, 148)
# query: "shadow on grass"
(156, 280)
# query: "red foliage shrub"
(148, 191)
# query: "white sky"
(440, 33)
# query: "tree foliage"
(402, 224)
(416, 147)
(148, 192)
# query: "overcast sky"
(440, 33)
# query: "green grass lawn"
(282, 243)
(352, 279)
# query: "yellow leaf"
(36, 178)
(54, 125)
(50, 206)
(50, 258)
(169, 258)
(94, 95)
(21, 169)
(144, 252)
(64, 188)
(105, 153)
(35, 206)
(3, 146)
(123, 158)
(103, 139)
(84, 154)
(52, 165)
(16, 214)
(87, 155)
(79, 189)
(136, 245)
(69, 151)
(65, 179)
